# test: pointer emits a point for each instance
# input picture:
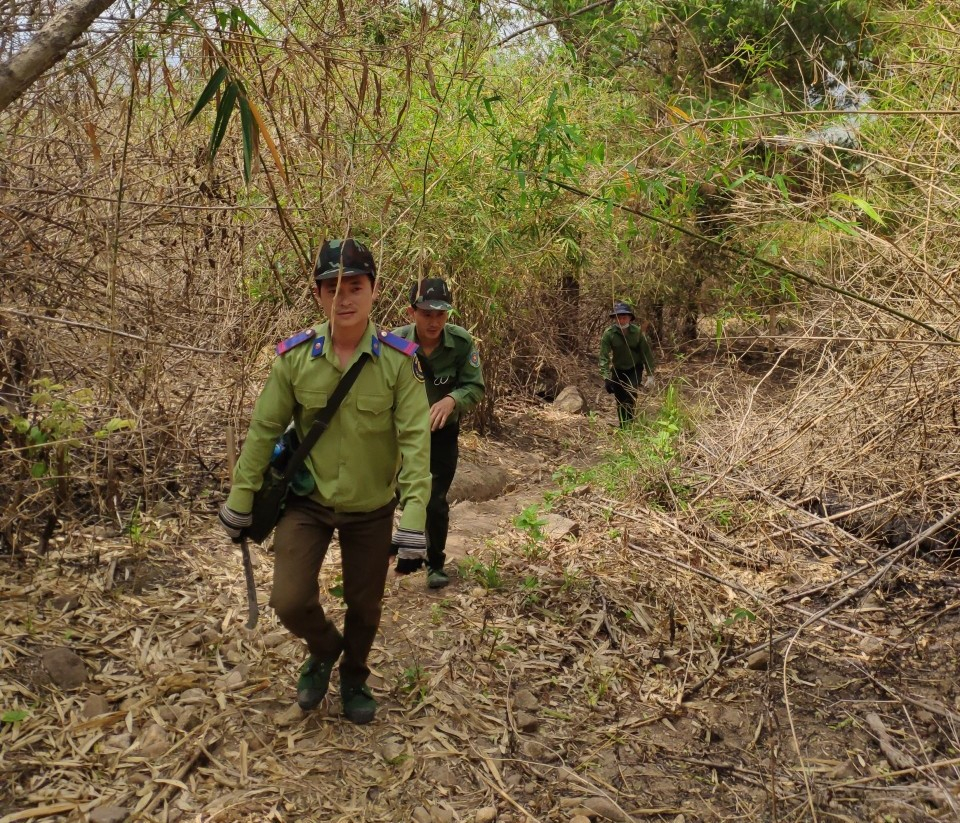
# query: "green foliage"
(51, 429)
(750, 38)
(486, 574)
(12, 716)
(414, 682)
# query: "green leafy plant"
(413, 682)
(14, 716)
(487, 574)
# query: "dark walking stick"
(253, 610)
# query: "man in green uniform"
(381, 426)
(624, 353)
(450, 367)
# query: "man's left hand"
(440, 411)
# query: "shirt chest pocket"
(311, 401)
(374, 412)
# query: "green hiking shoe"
(358, 703)
(437, 579)
(313, 682)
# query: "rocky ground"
(594, 658)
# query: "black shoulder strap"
(324, 417)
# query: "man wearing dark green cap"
(624, 353)
(450, 368)
(381, 427)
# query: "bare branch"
(48, 48)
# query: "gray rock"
(570, 400)
(759, 661)
(109, 814)
(477, 483)
(527, 722)
(524, 700)
(65, 603)
(488, 814)
(557, 527)
(66, 669)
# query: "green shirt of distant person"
(624, 354)
(624, 346)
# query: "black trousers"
(300, 546)
(625, 391)
(444, 451)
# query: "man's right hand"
(610, 385)
(233, 522)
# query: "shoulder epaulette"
(295, 340)
(394, 341)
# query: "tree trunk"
(49, 47)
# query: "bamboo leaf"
(240, 15)
(267, 139)
(248, 127)
(208, 92)
(224, 110)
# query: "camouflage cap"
(432, 293)
(351, 254)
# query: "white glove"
(233, 523)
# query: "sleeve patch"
(475, 359)
(394, 341)
(417, 369)
(295, 340)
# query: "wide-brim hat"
(621, 308)
(432, 294)
(344, 258)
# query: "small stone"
(605, 809)
(65, 603)
(231, 681)
(438, 814)
(421, 815)
(557, 527)
(66, 669)
(524, 700)
(117, 743)
(190, 639)
(109, 814)
(580, 818)
(153, 741)
(477, 591)
(871, 645)
(759, 661)
(94, 706)
(488, 814)
(274, 639)
(570, 400)
(193, 696)
(391, 751)
(535, 750)
(288, 716)
(527, 722)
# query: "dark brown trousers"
(300, 545)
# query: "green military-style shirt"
(624, 348)
(382, 425)
(455, 364)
